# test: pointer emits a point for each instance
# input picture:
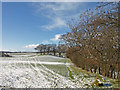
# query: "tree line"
(51, 49)
(93, 43)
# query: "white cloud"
(56, 6)
(56, 38)
(8, 49)
(57, 13)
(4, 50)
(45, 42)
(31, 46)
(57, 23)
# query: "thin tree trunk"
(44, 51)
(112, 71)
(91, 70)
(59, 54)
(99, 70)
(114, 75)
(54, 53)
(41, 52)
(108, 74)
(48, 51)
(95, 69)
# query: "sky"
(28, 24)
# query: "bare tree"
(93, 40)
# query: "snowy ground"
(30, 71)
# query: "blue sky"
(25, 24)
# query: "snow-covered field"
(30, 71)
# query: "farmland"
(33, 71)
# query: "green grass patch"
(70, 73)
(78, 71)
(60, 69)
(67, 60)
(64, 60)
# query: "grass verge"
(60, 69)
